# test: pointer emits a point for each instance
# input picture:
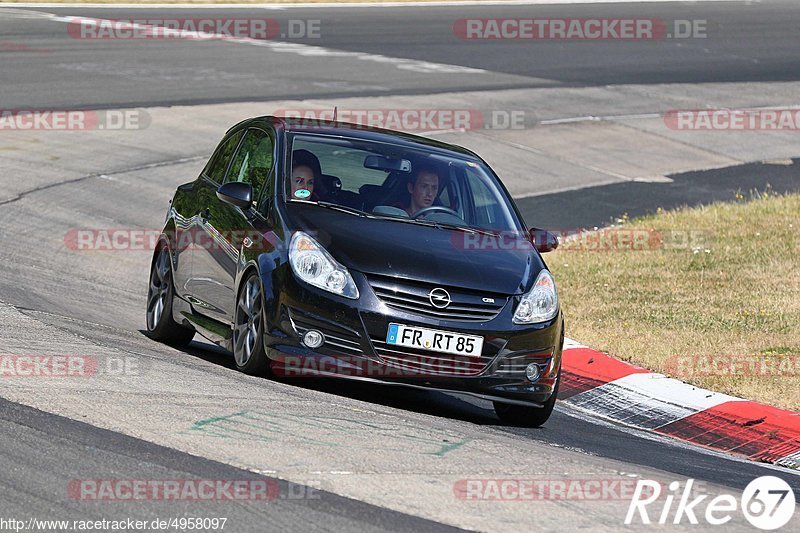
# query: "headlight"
(540, 303)
(314, 265)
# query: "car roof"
(362, 132)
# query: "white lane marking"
(676, 391)
(413, 65)
(640, 116)
(649, 400)
(433, 133)
(303, 5)
(20, 13)
(593, 118)
(653, 179)
(570, 344)
(791, 461)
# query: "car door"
(203, 191)
(226, 227)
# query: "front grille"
(412, 297)
(427, 363)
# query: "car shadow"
(429, 402)
(209, 352)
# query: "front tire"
(248, 329)
(531, 417)
(160, 324)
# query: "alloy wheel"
(248, 321)
(157, 294)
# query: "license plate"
(434, 340)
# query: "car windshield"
(386, 180)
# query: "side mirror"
(237, 193)
(543, 240)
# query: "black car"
(345, 251)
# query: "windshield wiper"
(344, 209)
(421, 222)
(467, 229)
(443, 225)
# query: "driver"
(424, 188)
(305, 170)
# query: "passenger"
(424, 188)
(305, 171)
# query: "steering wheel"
(434, 208)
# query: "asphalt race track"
(746, 42)
(343, 456)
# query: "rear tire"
(248, 329)
(160, 324)
(532, 417)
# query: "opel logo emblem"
(439, 298)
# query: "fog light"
(313, 338)
(532, 372)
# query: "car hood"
(411, 251)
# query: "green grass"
(730, 288)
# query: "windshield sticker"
(302, 193)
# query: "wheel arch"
(250, 268)
(167, 237)
(264, 267)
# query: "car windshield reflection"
(392, 182)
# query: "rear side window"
(253, 161)
(344, 162)
(218, 164)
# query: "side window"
(450, 195)
(218, 164)
(253, 162)
(487, 211)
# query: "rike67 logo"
(767, 502)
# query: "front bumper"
(355, 348)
